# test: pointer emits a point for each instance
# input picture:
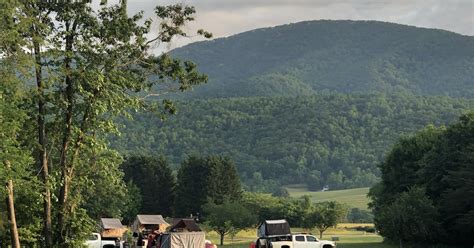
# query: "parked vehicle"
(277, 234)
(298, 240)
(96, 241)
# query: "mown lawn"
(356, 198)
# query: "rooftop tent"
(148, 223)
(110, 223)
(111, 228)
(185, 225)
(274, 228)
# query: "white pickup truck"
(298, 240)
(96, 241)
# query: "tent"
(183, 240)
(185, 225)
(111, 228)
(273, 228)
(148, 223)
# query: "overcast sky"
(228, 17)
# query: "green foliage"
(357, 215)
(325, 215)
(334, 140)
(334, 56)
(228, 217)
(427, 181)
(91, 64)
(205, 179)
(410, 218)
(155, 181)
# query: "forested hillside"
(333, 139)
(334, 56)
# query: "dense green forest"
(334, 139)
(334, 56)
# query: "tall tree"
(156, 182)
(201, 179)
(91, 65)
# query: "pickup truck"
(297, 240)
(96, 241)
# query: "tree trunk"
(401, 243)
(11, 212)
(43, 157)
(321, 234)
(65, 170)
(222, 238)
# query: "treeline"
(334, 139)
(426, 193)
(209, 190)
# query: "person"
(140, 242)
(150, 240)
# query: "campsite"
(236, 123)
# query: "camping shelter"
(185, 225)
(270, 228)
(183, 240)
(148, 223)
(111, 228)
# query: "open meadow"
(354, 198)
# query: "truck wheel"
(285, 246)
(328, 246)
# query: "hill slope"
(332, 139)
(335, 56)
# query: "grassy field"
(348, 238)
(356, 198)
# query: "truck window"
(93, 237)
(299, 238)
(311, 239)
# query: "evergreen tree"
(155, 181)
(202, 179)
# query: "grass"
(348, 237)
(355, 198)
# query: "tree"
(202, 179)
(155, 181)
(325, 215)
(14, 158)
(228, 217)
(90, 66)
(429, 174)
(410, 218)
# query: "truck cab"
(310, 241)
(95, 240)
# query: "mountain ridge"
(335, 56)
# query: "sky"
(227, 17)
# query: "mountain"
(334, 56)
(335, 139)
